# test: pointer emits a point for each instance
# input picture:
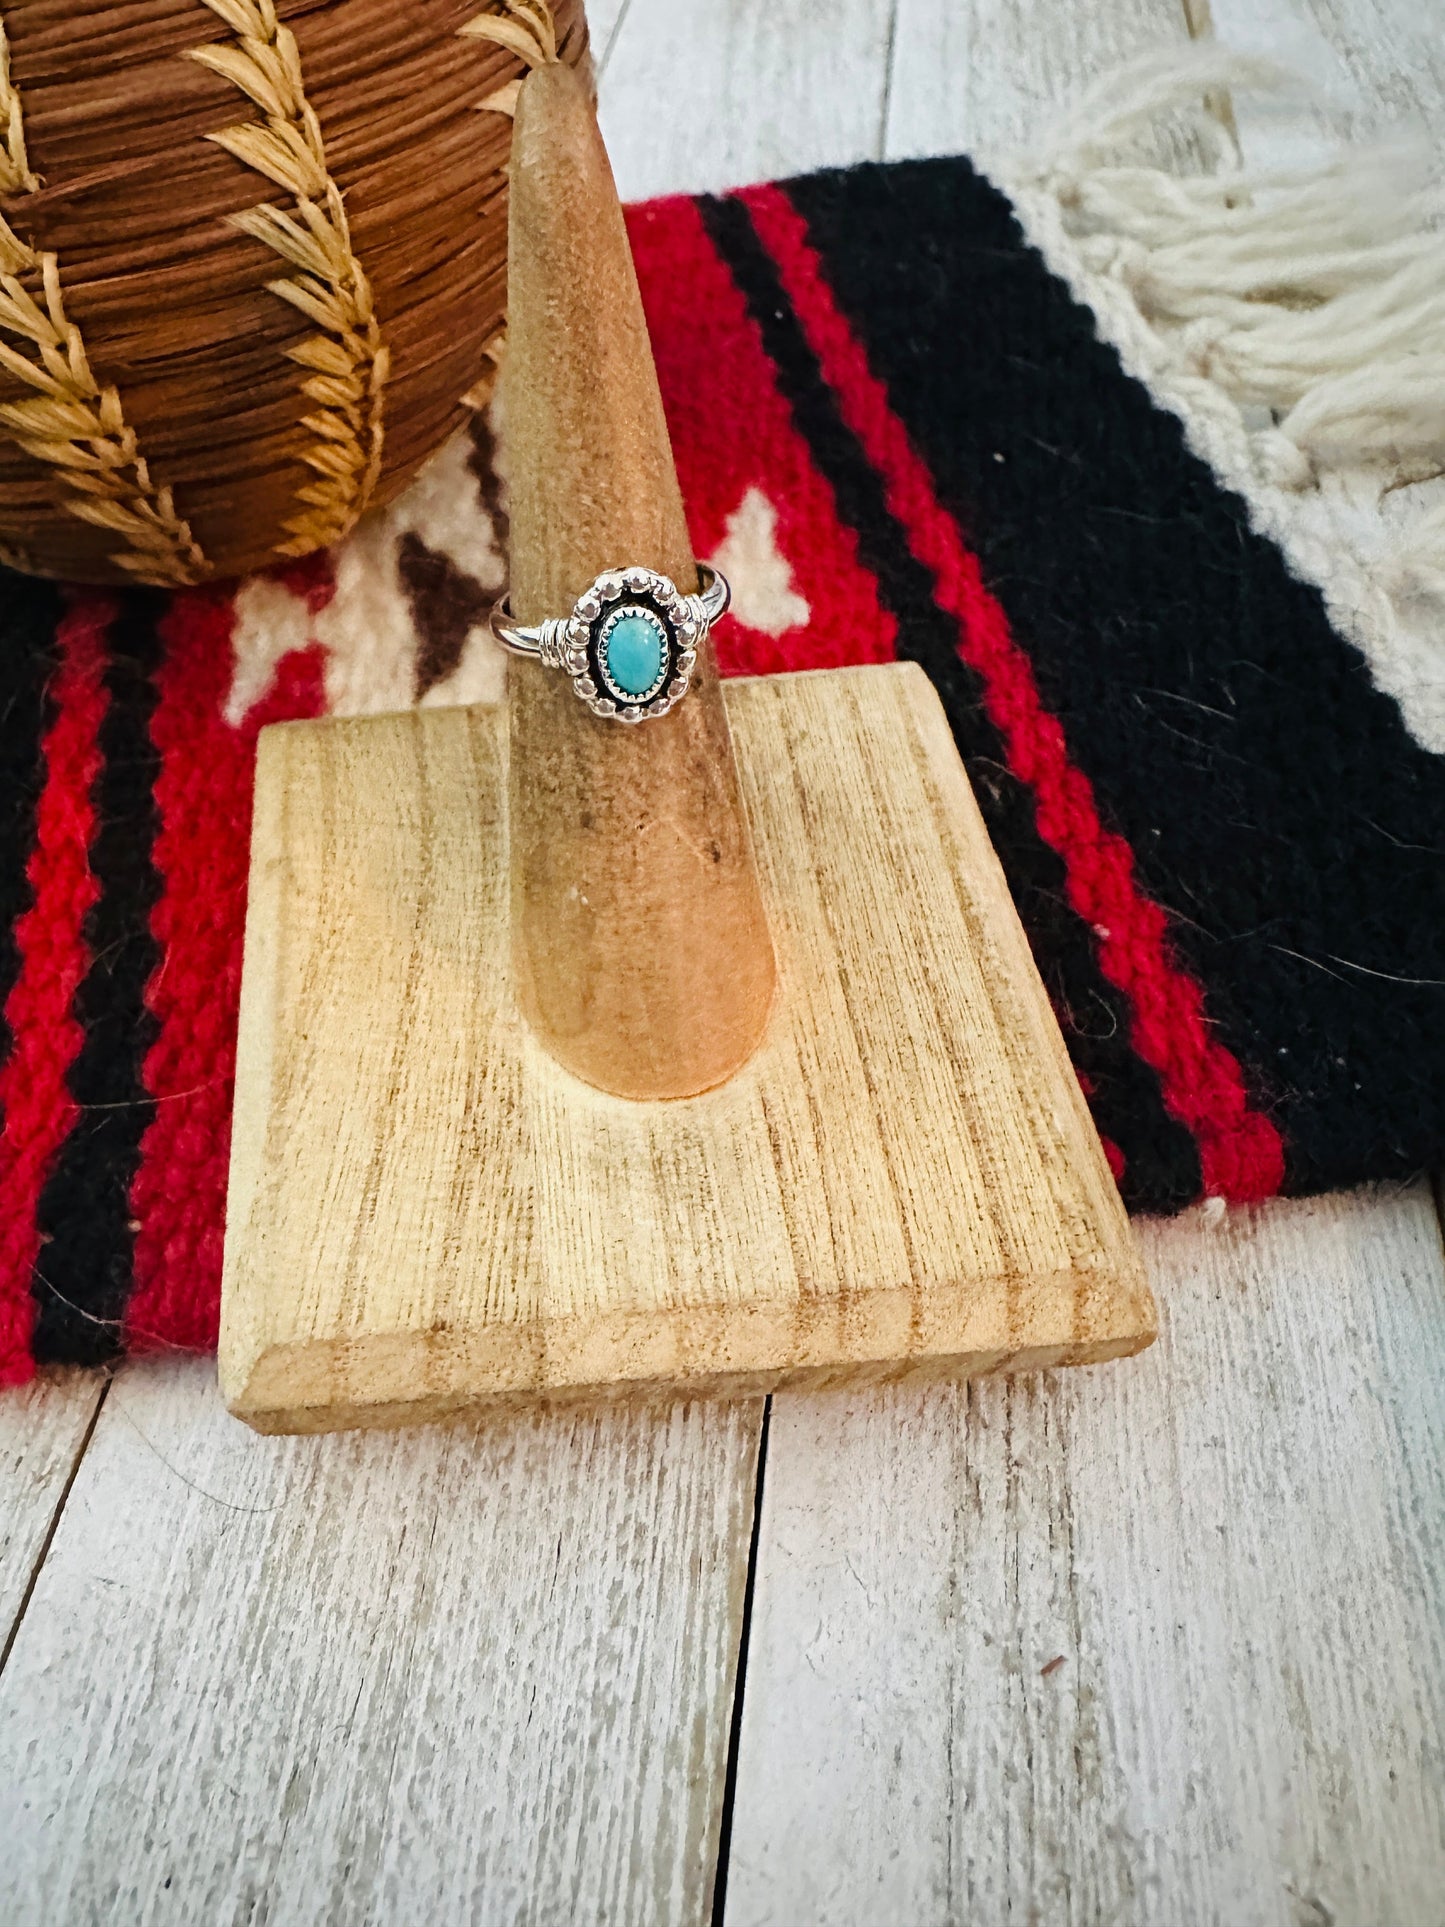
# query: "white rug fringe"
(1294, 320)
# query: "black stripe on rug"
(1161, 1161)
(32, 611)
(84, 1272)
(1274, 799)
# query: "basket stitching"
(15, 174)
(526, 29)
(347, 361)
(530, 33)
(73, 423)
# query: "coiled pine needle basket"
(252, 259)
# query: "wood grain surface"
(427, 1211)
(639, 947)
(991, 76)
(1125, 1646)
(43, 1430)
(1376, 65)
(602, 20)
(462, 1676)
(705, 94)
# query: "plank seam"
(43, 1553)
(612, 39)
(735, 1729)
(885, 109)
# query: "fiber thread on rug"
(49, 958)
(1239, 1148)
(1154, 1157)
(1277, 805)
(202, 857)
(83, 1274)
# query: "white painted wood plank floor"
(490, 1673)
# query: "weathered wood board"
(473, 1674)
(993, 77)
(1165, 1644)
(706, 94)
(43, 1430)
(426, 1210)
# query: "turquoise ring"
(630, 643)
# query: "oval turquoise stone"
(634, 654)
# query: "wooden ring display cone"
(578, 1059)
(641, 950)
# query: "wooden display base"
(427, 1212)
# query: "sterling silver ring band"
(630, 642)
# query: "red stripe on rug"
(312, 577)
(732, 432)
(35, 1099)
(202, 851)
(1240, 1151)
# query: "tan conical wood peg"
(756, 1235)
(642, 953)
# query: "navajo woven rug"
(903, 436)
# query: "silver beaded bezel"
(619, 592)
